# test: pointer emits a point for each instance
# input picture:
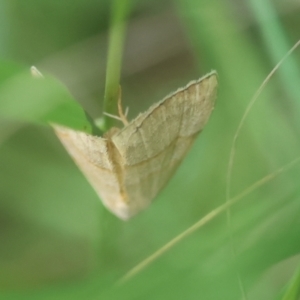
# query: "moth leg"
(126, 111)
(123, 116)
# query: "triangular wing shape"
(151, 147)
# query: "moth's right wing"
(151, 147)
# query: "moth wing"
(151, 147)
(91, 154)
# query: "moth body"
(128, 167)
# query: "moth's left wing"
(92, 156)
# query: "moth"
(128, 167)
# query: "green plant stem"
(120, 10)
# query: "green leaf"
(38, 100)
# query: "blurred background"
(57, 241)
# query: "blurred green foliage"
(56, 239)
(38, 99)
